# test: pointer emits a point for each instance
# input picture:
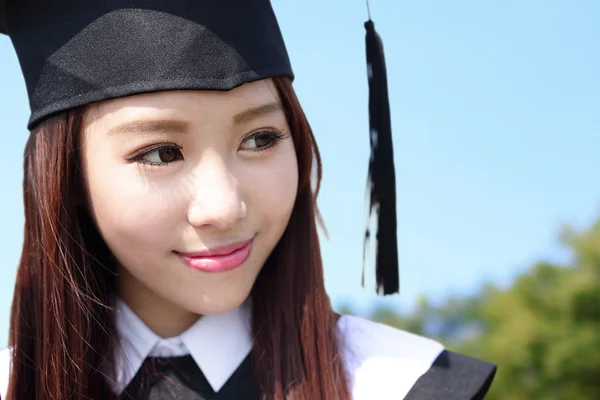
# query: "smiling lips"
(219, 259)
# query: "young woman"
(171, 248)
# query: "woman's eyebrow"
(256, 112)
(151, 125)
(178, 126)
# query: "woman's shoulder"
(389, 363)
(4, 371)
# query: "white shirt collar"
(217, 343)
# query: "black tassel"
(381, 183)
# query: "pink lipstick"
(219, 259)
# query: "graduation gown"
(211, 360)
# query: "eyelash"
(139, 157)
(274, 134)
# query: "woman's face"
(174, 173)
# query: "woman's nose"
(216, 197)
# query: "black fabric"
(3, 20)
(179, 378)
(75, 52)
(454, 376)
(381, 183)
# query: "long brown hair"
(62, 330)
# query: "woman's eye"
(261, 141)
(160, 155)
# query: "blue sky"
(496, 123)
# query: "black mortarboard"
(77, 52)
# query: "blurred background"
(496, 124)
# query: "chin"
(219, 303)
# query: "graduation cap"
(77, 52)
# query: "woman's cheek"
(131, 212)
(272, 187)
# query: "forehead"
(184, 103)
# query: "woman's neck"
(163, 317)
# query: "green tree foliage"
(543, 331)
